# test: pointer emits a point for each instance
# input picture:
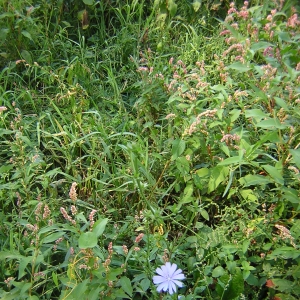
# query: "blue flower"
(168, 278)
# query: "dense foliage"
(135, 133)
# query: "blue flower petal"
(172, 287)
(163, 286)
(158, 279)
(172, 268)
(179, 283)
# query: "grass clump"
(135, 134)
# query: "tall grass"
(149, 132)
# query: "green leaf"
(257, 114)
(204, 214)
(7, 15)
(218, 271)
(99, 227)
(183, 165)
(238, 66)
(231, 265)
(27, 56)
(252, 280)
(53, 237)
(285, 253)
(291, 195)
(283, 285)
(271, 123)
(55, 279)
(248, 195)
(33, 298)
(23, 264)
(217, 175)
(3, 35)
(245, 246)
(230, 287)
(203, 172)
(196, 5)
(280, 102)
(172, 8)
(79, 290)
(145, 284)
(230, 161)
(284, 36)
(296, 156)
(260, 45)
(235, 113)
(178, 147)
(27, 34)
(88, 2)
(187, 194)
(274, 173)
(87, 240)
(126, 285)
(254, 180)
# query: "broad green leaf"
(87, 240)
(27, 34)
(53, 237)
(280, 102)
(225, 149)
(7, 15)
(285, 36)
(204, 214)
(231, 265)
(99, 227)
(94, 293)
(218, 271)
(145, 284)
(271, 123)
(23, 264)
(274, 173)
(33, 298)
(172, 8)
(119, 294)
(257, 114)
(245, 246)
(296, 156)
(254, 180)
(187, 194)
(79, 289)
(236, 286)
(235, 113)
(55, 278)
(27, 56)
(10, 255)
(252, 280)
(26, 286)
(196, 5)
(284, 285)
(291, 195)
(285, 253)
(203, 172)
(248, 195)
(183, 165)
(88, 2)
(260, 45)
(3, 35)
(126, 285)
(231, 161)
(218, 174)
(178, 147)
(238, 66)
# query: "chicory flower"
(168, 278)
